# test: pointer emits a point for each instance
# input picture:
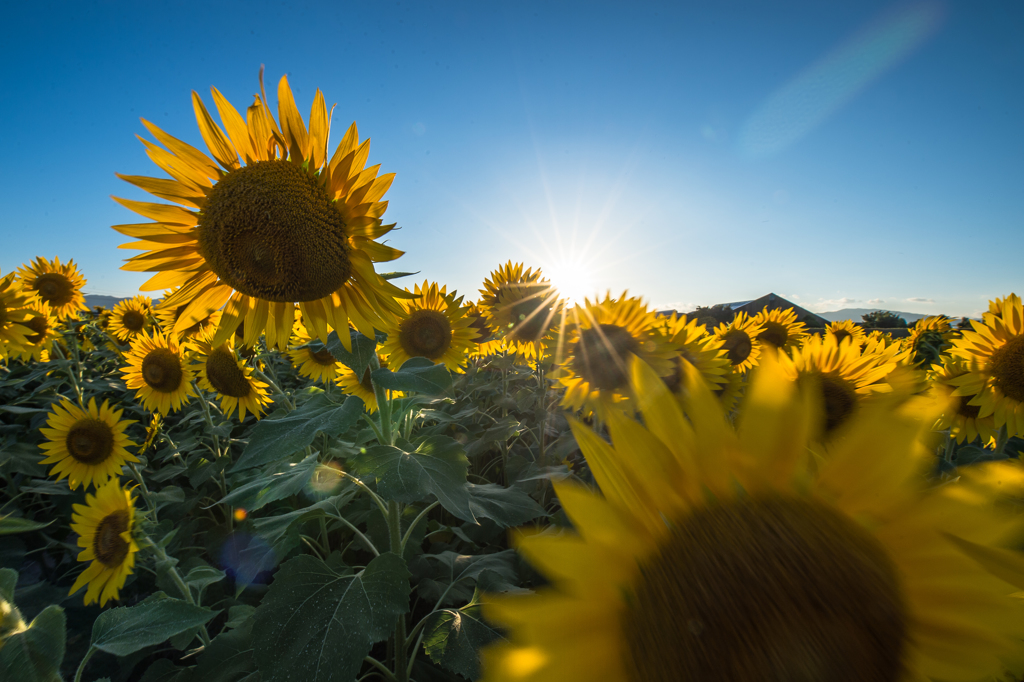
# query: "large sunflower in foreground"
(88, 447)
(268, 221)
(13, 313)
(995, 354)
(57, 285)
(130, 317)
(434, 325)
(158, 372)
(603, 338)
(521, 306)
(781, 328)
(740, 341)
(222, 371)
(963, 419)
(104, 525)
(726, 554)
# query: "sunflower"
(13, 313)
(994, 352)
(157, 369)
(434, 325)
(695, 347)
(740, 340)
(521, 306)
(845, 329)
(42, 323)
(105, 525)
(603, 336)
(844, 374)
(222, 371)
(929, 338)
(88, 447)
(284, 224)
(166, 316)
(722, 554)
(130, 317)
(311, 359)
(960, 417)
(59, 286)
(362, 387)
(781, 328)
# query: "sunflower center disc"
(107, 545)
(367, 381)
(1007, 366)
(90, 441)
(528, 311)
(425, 334)
(484, 332)
(840, 400)
(965, 409)
(270, 230)
(161, 369)
(841, 335)
(737, 345)
(775, 334)
(224, 374)
(54, 288)
(133, 321)
(38, 324)
(769, 590)
(601, 354)
(323, 357)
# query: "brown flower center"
(840, 335)
(774, 333)
(766, 590)
(601, 356)
(479, 323)
(224, 374)
(108, 546)
(40, 325)
(965, 409)
(1007, 367)
(528, 307)
(322, 357)
(840, 400)
(161, 369)
(425, 334)
(737, 345)
(133, 321)
(54, 288)
(271, 231)
(90, 441)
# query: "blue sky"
(840, 154)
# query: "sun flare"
(573, 280)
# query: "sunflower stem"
(206, 415)
(948, 454)
(85, 659)
(383, 405)
(324, 540)
(395, 533)
(179, 582)
(273, 384)
(1003, 438)
(71, 376)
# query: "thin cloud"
(876, 301)
(921, 300)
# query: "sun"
(573, 279)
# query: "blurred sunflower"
(42, 323)
(994, 352)
(695, 347)
(284, 224)
(603, 337)
(521, 306)
(13, 313)
(845, 329)
(130, 317)
(929, 338)
(722, 554)
(310, 358)
(222, 371)
(86, 446)
(740, 341)
(843, 374)
(961, 417)
(59, 286)
(434, 325)
(362, 387)
(781, 328)
(166, 316)
(158, 372)
(105, 525)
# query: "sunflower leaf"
(453, 639)
(36, 653)
(125, 630)
(266, 487)
(274, 439)
(505, 506)
(318, 620)
(417, 374)
(359, 357)
(436, 466)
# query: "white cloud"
(876, 301)
(921, 300)
(826, 305)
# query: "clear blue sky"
(840, 154)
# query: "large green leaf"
(36, 653)
(274, 439)
(229, 657)
(8, 581)
(505, 506)
(278, 483)
(318, 621)
(417, 374)
(10, 525)
(453, 638)
(359, 357)
(124, 630)
(275, 530)
(437, 466)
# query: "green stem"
(376, 498)
(358, 533)
(1003, 438)
(71, 375)
(85, 659)
(324, 540)
(273, 384)
(395, 533)
(381, 668)
(383, 406)
(416, 521)
(206, 415)
(948, 454)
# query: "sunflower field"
(288, 467)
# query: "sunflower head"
(845, 329)
(86, 446)
(42, 323)
(781, 328)
(362, 387)
(14, 311)
(696, 348)
(433, 325)
(158, 372)
(105, 525)
(222, 371)
(520, 306)
(130, 317)
(741, 341)
(57, 285)
(962, 416)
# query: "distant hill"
(856, 314)
(108, 302)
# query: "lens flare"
(572, 279)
